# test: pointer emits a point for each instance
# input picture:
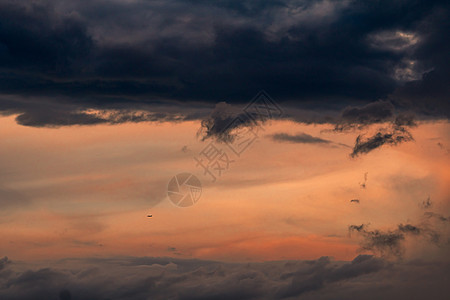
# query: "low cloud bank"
(366, 277)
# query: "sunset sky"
(343, 191)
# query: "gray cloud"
(321, 273)
(302, 138)
(65, 295)
(360, 117)
(380, 112)
(391, 243)
(358, 228)
(408, 228)
(4, 262)
(440, 217)
(396, 134)
(365, 145)
(12, 199)
(385, 243)
(42, 112)
(427, 203)
(223, 122)
(172, 278)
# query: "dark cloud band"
(315, 55)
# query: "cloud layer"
(169, 278)
(60, 58)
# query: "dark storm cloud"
(54, 117)
(319, 55)
(430, 94)
(44, 112)
(171, 278)
(359, 117)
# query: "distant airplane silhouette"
(354, 200)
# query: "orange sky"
(86, 191)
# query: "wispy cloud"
(222, 123)
(395, 134)
(391, 242)
(303, 138)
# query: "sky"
(328, 122)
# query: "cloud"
(395, 134)
(59, 59)
(301, 138)
(12, 199)
(408, 228)
(391, 243)
(427, 204)
(428, 94)
(385, 243)
(358, 228)
(366, 145)
(65, 295)
(360, 117)
(42, 112)
(394, 128)
(64, 118)
(223, 122)
(430, 214)
(4, 262)
(319, 275)
(172, 278)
